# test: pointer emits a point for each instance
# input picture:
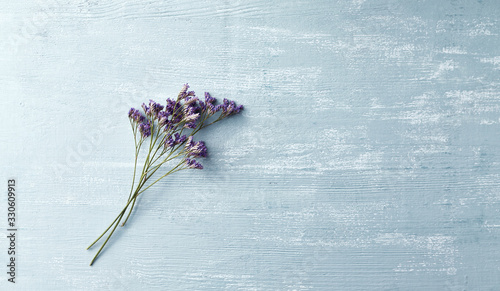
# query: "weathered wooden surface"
(366, 157)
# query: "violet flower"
(169, 129)
(145, 128)
(192, 164)
(195, 149)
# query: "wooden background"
(367, 156)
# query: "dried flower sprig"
(170, 130)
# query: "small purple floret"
(209, 99)
(191, 125)
(193, 164)
(135, 115)
(183, 94)
(145, 129)
(154, 108)
(195, 149)
(175, 140)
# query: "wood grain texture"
(366, 157)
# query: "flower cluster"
(195, 149)
(135, 115)
(188, 112)
(145, 128)
(170, 130)
(227, 107)
(175, 140)
(192, 164)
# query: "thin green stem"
(130, 212)
(126, 206)
(119, 217)
(103, 233)
(168, 173)
(147, 164)
(167, 159)
(135, 168)
(107, 239)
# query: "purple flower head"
(211, 108)
(238, 109)
(188, 110)
(193, 105)
(229, 107)
(145, 129)
(135, 115)
(175, 140)
(176, 118)
(169, 126)
(193, 164)
(191, 125)
(162, 118)
(139, 117)
(169, 109)
(202, 106)
(180, 138)
(146, 109)
(154, 108)
(195, 149)
(209, 99)
(170, 142)
(191, 118)
(183, 94)
(219, 107)
(190, 100)
(174, 109)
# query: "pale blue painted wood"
(366, 157)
